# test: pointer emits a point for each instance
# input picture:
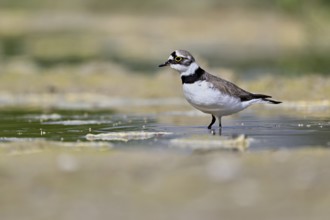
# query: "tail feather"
(266, 98)
(260, 96)
(271, 101)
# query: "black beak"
(164, 64)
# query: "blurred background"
(89, 45)
(282, 34)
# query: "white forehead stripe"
(178, 53)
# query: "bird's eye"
(178, 59)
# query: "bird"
(209, 93)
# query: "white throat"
(185, 70)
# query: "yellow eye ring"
(178, 59)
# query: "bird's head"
(180, 60)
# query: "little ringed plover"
(208, 93)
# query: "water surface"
(73, 126)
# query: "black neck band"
(194, 77)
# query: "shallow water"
(265, 132)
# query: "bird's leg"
(212, 122)
(220, 126)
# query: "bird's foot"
(213, 131)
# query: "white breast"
(205, 98)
